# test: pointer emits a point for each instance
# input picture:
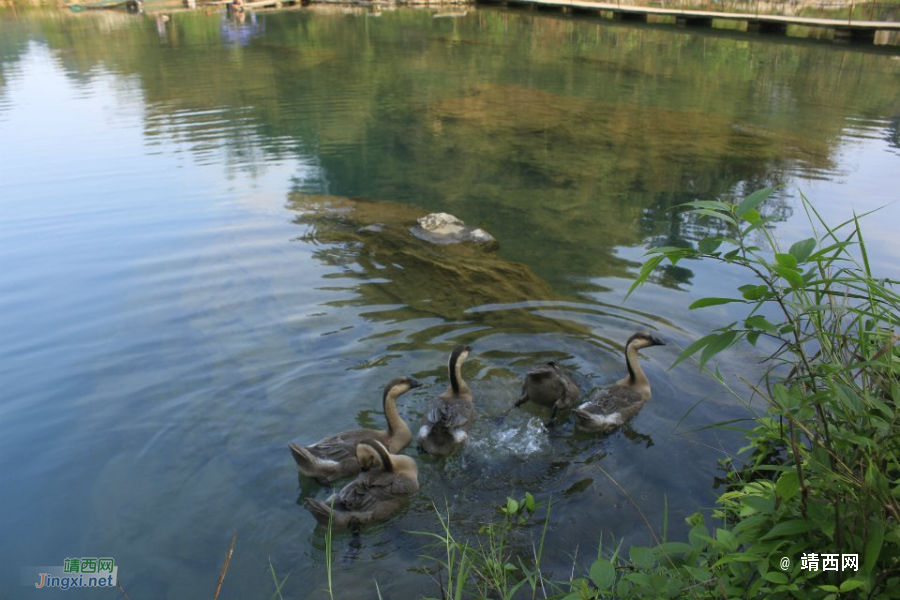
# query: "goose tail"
(320, 510)
(303, 456)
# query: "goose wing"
(342, 446)
(612, 399)
(365, 493)
(451, 415)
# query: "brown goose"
(334, 457)
(450, 414)
(383, 486)
(609, 408)
(549, 385)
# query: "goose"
(609, 408)
(549, 385)
(450, 414)
(334, 457)
(385, 483)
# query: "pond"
(185, 287)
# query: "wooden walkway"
(853, 30)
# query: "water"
(185, 288)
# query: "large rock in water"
(444, 228)
(369, 243)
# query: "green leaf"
(715, 215)
(719, 343)
(789, 528)
(788, 485)
(788, 261)
(699, 574)
(754, 292)
(640, 579)
(752, 337)
(693, 348)
(646, 270)
(641, 556)
(726, 540)
(710, 204)
(776, 577)
(790, 275)
(603, 574)
(751, 216)
(702, 302)
(529, 501)
(852, 584)
(802, 250)
(709, 245)
(674, 548)
(753, 200)
(760, 322)
(511, 506)
(873, 545)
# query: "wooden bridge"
(844, 29)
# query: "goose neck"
(456, 381)
(636, 377)
(397, 427)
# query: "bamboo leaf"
(710, 204)
(719, 343)
(702, 302)
(693, 348)
(753, 200)
(715, 215)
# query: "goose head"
(401, 385)
(642, 339)
(372, 453)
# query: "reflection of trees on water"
(13, 44)
(667, 222)
(893, 133)
(590, 148)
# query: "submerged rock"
(405, 277)
(444, 228)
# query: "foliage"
(824, 475)
(822, 480)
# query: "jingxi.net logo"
(75, 572)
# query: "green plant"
(830, 440)
(491, 566)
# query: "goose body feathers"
(609, 408)
(549, 385)
(445, 423)
(334, 457)
(383, 486)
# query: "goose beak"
(414, 383)
(656, 341)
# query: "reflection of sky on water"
(240, 28)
